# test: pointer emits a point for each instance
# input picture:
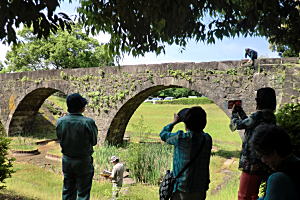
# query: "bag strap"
(194, 158)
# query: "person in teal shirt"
(194, 182)
(77, 136)
(273, 145)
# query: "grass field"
(156, 116)
(34, 182)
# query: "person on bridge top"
(195, 145)
(77, 135)
(251, 54)
(253, 170)
(274, 147)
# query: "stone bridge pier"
(114, 93)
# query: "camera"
(181, 114)
(234, 102)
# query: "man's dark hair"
(195, 119)
(269, 138)
(75, 102)
(266, 98)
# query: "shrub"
(288, 117)
(187, 101)
(5, 162)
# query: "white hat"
(114, 158)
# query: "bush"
(5, 162)
(187, 101)
(288, 117)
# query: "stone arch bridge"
(114, 93)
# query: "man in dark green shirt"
(77, 135)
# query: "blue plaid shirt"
(186, 145)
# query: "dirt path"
(40, 159)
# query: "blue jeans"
(78, 176)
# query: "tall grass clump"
(102, 155)
(149, 161)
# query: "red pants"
(249, 186)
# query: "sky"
(226, 49)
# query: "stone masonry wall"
(114, 93)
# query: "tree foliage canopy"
(139, 26)
(284, 50)
(61, 50)
(37, 13)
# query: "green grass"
(23, 143)
(23, 147)
(34, 182)
(156, 116)
(59, 101)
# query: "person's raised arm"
(239, 119)
(166, 133)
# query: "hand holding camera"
(234, 103)
(236, 106)
(179, 117)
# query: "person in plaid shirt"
(194, 182)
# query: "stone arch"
(21, 117)
(117, 127)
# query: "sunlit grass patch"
(23, 143)
(59, 101)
